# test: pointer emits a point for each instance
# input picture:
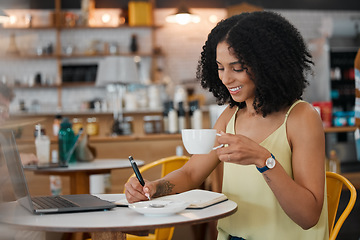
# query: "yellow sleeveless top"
(259, 215)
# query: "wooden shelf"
(78, 84)
(133, 137)
(57, 24)
(36, 86)
(107, 55)
(340, 129)
(29, 56)
(76, 27)
(29, 28)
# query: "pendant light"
(3, 17)
(183, 16)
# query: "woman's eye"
(238, 70)
(220, 69)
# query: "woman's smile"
(235, 90)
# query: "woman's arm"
(302, 197)
(190, 176)
(304, 202)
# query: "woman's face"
(233, 75)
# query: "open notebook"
(197, 198)
(11, 168)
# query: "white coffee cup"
(198, 141)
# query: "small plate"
(158, 208)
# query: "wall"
(181, 44)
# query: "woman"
(275, 147)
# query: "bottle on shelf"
(166, 117)
(333, 162)
(55, 180)
(56, 124)
(195, 115)
(42, 143)
(66, 142)
(173, 118)
(181, 116)
(357, 87)
(134, 44)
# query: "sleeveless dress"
(259, 215)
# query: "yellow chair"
(168, 165)
(335, 183)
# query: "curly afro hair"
(274, 51)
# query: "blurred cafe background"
(124, 71)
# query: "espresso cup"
(198, 141)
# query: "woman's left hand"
(241, 150)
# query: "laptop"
(10, 164)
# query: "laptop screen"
(13, 181)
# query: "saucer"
(158, 207)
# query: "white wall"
(181, 44)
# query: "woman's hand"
(241, 150)
(134, 192)
(28, 158)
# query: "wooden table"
(112, 224)
(80, 172)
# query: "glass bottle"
(166, 117)
(173, 119)
(357, 88)
(66, 141)
(195, 115)
(181, 116)
(334, 162)
(55, 180)
(56, 124)
(42, 143)
(133, 44)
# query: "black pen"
(138, 174)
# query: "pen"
(138, 174)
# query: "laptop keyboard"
(48, 202)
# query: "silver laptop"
(10, 164)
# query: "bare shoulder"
(304, 111)
(224, 118)
(304, 118)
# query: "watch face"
(270, 162)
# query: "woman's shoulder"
(304, 116)
(303, 108)
(225, 117)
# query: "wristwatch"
(269, 164)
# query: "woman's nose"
(226, 77)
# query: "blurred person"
(6, 96)
(7, 232)
(274, 144)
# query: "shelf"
(36, 86)
(76, 27)
(28, 56)
(108, 55)
(63, 56)
(60, 61)
(78, 84)
(105, 27)
(134, 137)
(340, 129)
(29, 28)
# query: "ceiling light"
(183, 16)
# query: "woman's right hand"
(134, 192)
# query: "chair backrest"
(334, 186)
(168, 164)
